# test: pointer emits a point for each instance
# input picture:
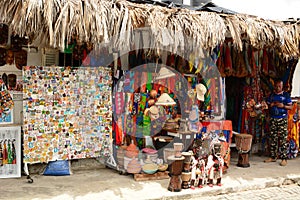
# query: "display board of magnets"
(67, 113)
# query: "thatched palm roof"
(54, 21)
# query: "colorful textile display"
(293, 131)
(67, 113)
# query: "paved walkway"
(285, 192)
(109, 184)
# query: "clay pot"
(132, 151)
(134, 166)
(131, 154)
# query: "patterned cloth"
(278, 132)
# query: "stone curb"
(251, 185)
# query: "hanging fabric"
(219, 63)
(271, 64)
(127, 84)
(143, 101)
(129, 125)
(144, 80)
(293, 121)
(119, 131)
(228, 62)
(137, 80)
(265, 62)
(119, 102)
(146, 125)
(136, 100)
(246, 52)
(149, 81)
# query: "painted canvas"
(7, 117)
(10, 151)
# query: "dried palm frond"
(98, 21)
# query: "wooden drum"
(186, 176)
(175, 169)
(243, 142)
(176, 165)
(187, 157)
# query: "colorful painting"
(67, 113)
(6, 117)
(10, 152)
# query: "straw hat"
(200, 90)
(165, 73)
(165, 100)
(154, 112)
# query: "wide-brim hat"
(165, 73)
(200, 90)
(165, 100)
(154, 112)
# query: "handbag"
(6, 101)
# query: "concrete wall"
(296, 82)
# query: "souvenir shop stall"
(164, 118)
(164, 110)
(252, 72)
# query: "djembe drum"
(186, 173)
(175, 170)
(243, 145)
(187, 161)
(186, 178)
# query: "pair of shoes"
(192, 187)
(219, 184)
(200, 186)
(270, 160)
(283, 163)
(210, 185)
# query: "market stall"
(195, 47)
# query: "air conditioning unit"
(196, 3)
(50, 57)
(174, 1)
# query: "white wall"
(296, 82)
(34, 58)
